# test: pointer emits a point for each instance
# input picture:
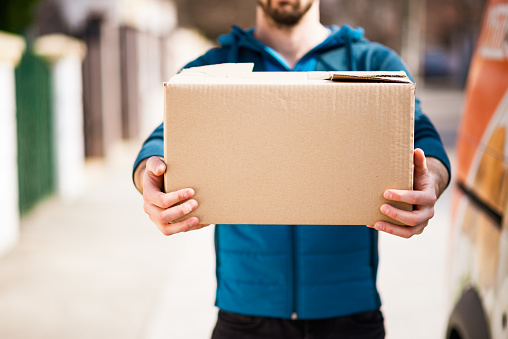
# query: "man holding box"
(283, 281)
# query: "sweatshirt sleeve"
(426, 136)
(153, 146)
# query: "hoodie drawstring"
(233, 54)
(350, 51)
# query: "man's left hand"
(430, 179)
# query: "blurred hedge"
(16, 15)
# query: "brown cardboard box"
(288, 148)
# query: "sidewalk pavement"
(98, 268)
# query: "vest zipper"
(294, 314)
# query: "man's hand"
(163, 208)
(430, 179)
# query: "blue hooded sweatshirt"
(304, 271)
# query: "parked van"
(479, 241)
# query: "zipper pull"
(294, 316)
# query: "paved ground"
(412, 273)
(97, 268)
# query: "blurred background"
(81, 87)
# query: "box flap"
(245, 71)
(391, 76)
(220, 70)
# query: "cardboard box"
(288, 148)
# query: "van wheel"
(468, 320)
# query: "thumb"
(420, 179)
(420, 162)
(155, 169)
(155, 166)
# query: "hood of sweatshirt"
(339, 36)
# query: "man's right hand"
(163, 208)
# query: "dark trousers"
(367, 325)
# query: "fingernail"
(384, 209)
(193, 204)
(388, 195)
(186, 195)
(193, 222)
(379, 227)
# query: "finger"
(199, 226)
(178, 211)
(172, 198)
(419, 159)
(182, 226)
(167, 215)
(426, 197)
(400, 231)
(153, 195)
(411, 218)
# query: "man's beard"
(288, 16)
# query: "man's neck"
(291, 42)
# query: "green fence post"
(35, 131)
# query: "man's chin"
(286, 21)
(285, 13)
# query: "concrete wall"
(11, 49)
(66, 55)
